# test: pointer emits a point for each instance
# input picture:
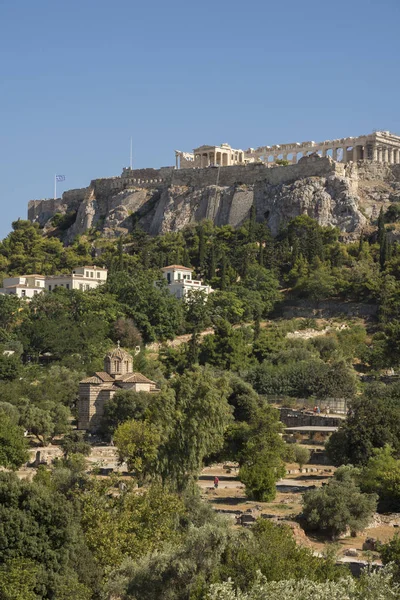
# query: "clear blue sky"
(78, 78)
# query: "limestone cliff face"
(329, 192)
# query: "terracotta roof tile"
(104, 376)
(176, 267)
(93, 379)
(135, 378)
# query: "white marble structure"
(379, 146)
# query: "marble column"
(374, 153)
(390, 155)
(334, 153)
(355, 153)
(395, 156)
(380, 154)
(385, 154)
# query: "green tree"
(10, 367)
(261, 459)
(74, 443)
(137, 443)
(301, 454)
(18, 579)
(13, 444)
(128, 525)
(372, 585)
(390, 554)
(381, 475)
(373, 421)
(40, 525)
(381, 226)
(338, 506)
(123, 406)
(10, 306)
(194, 423)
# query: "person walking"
(216, 482)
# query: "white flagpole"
(130, 161)
(55, 187)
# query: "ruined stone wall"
(250, 174)
(168, 199)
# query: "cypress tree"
(202, 248)
(252, 223)
(384, 251)
(381, 226)
(120, 249)
(261, 254)
(212, 263)
(186, 257)
(223, 273)
(361, 243)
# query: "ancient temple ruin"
(379, 146)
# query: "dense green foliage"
(70, 535)
(338, 506)
(373, 585)
(373, 422)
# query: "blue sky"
(77, 79)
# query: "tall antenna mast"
(130, 161)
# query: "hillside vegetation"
(69, 534)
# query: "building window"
(91, 274)
(87, 274)
(23, 292)
(98, 275)
(81, 286)
(34, 292)
(49, 288)
(67, 286)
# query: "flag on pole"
(60, 177)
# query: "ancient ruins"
(379, 146)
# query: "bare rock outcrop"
(343, 196)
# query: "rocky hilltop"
(342, 195)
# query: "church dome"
(118, 362)
(118, 353)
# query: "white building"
(81, 278)
(23, 286)
(180, 281)
(28, 286)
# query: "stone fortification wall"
(313, 166)
(169, 199)
(224, 176)
(43, 210)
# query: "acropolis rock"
(343, 193)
